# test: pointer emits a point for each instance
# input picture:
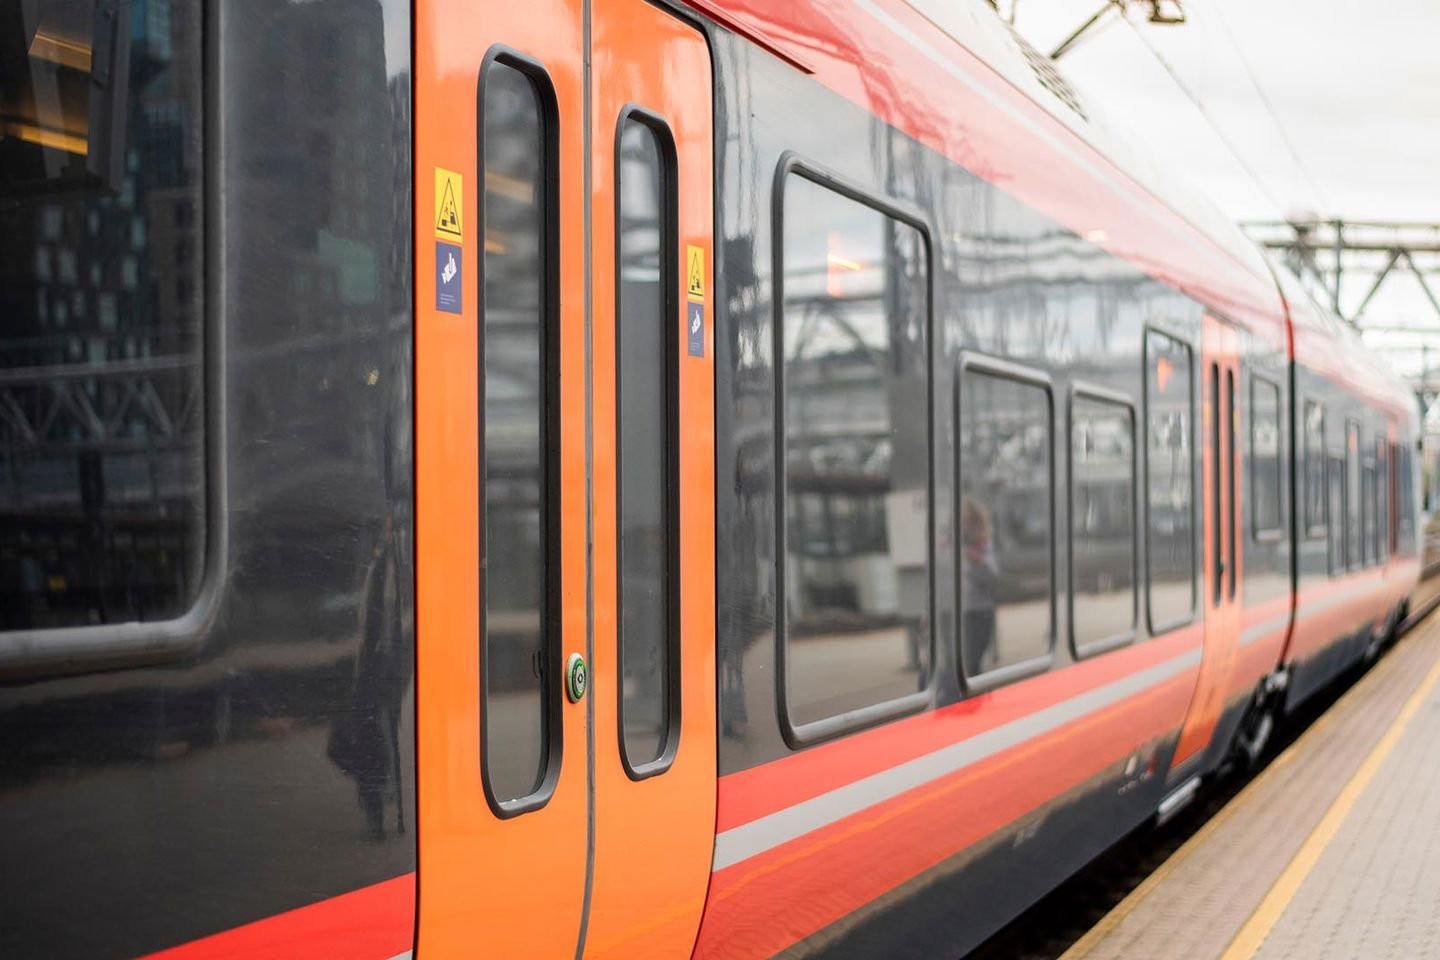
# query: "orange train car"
(626, 479)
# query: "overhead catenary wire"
(1315, 190)
(1205, 114)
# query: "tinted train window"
(856, 462)
(1405, 509)
(1170, 467)
(1102, 521)
(645, 359)
(1007, 493)
(1338, 526)
(102, 407)
(1314, 469)
(517, 515)
(1265, 465)
(1381, 528)
(1354, 525)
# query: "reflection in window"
(1354, 497)
(647, 483)
(1338, 526)
(1265, 455)
(1170, 464)
(1405, 491)
(1102, 520)
(1381, 527)
(856, 454)
(515, 382)
(102, 482)
(1314, 469)
(1006, 494)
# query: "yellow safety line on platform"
(1258, 927)
(1106, 925)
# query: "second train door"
(564, 525)
(653, 420)
(1220, 353)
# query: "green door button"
(577, 678)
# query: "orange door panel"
(550, 416)
(653, 416)
(500, 477)
(1223, 556)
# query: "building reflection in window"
(855, 452)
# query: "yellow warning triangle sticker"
(695, 273)
(449, 193)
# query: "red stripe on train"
(771, 901)
(750, 794)
(373, 923)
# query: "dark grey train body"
(240, 299)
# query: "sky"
(1352, 130)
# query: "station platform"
(1333, 851)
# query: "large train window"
(1103, 599)
(854, 455)
(1006, 519)
(1314, 470)
(1354, 513)
(645, 360)
(1265, 465)
(1170, 472)
(519, 530)
(103, 485)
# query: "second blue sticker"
(449, 259)
(695, 327)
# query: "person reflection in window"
(977, 595)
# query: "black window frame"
(1382, 499)
(1338, 528)
(1096, 394)
(670, 308)
(552, 670)
(1315, 531)
(1258, 533)
(999, 369)
(799, 735)
(1354, 497)
(58, 651)
(1154, 627)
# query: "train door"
(566, 798)
(1221, 363)
(653, 419)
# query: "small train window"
(645, 359)
(854, 449)
(1380, 529)
(1170, 487)
(1267, 520)
(1006, 521)
(1102, 522)
(518, 526)
(1354, 498)
(1314, 470)
(1339, 494)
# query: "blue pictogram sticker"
(448, 261)
(695, 327)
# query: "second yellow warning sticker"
(449, 202)
(695, 272)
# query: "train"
(609, 478)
